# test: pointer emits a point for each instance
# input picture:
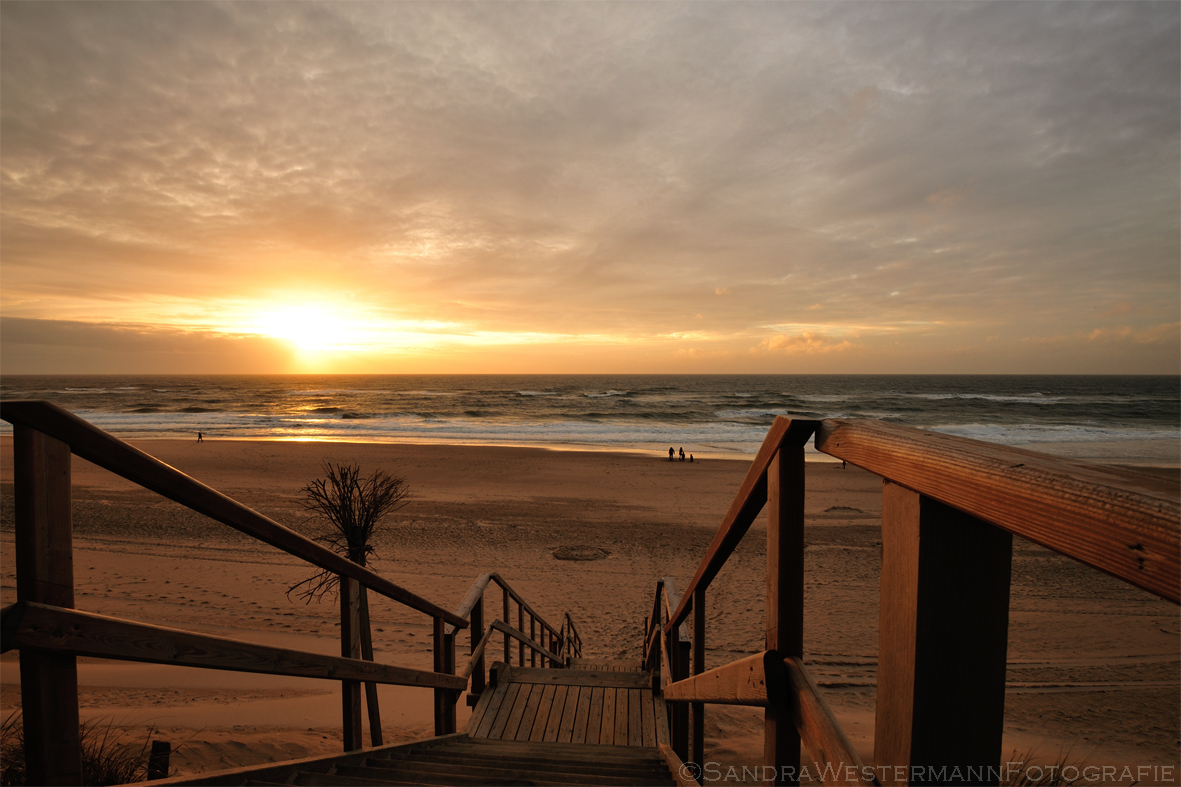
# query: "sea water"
(1114, 419)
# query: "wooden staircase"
(597, 722)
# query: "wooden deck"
(592, 703)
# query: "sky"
(598, 187)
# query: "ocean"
(1112, 419)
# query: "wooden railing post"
(438, 641)
(45, 574)
(350, 648)
(371, 701)
(697, 755)
(942, 642)
(785, 600)
(477, 631)
(521, 628)
(506, 619)
(449, 697)
(533, 636)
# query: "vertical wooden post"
(45, 574)
(698, 753)
(371, 701)
(508, 621)
(785, 600)
(350, 647)
(680, 710)
(520, 628)
(440, 665)
(477, 631)
(449, 696)
(533, 636)
(942, 641)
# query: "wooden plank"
(676, 765)
(636, 699)
(566, 728)
(747, 503)
(518, 711)
(662, 730)
(371, 699)
(607, 724)
(580, 677)
(474, 665)
(594, 723)
(474, 597)
(544, 710)
(1111, 520)
(500, 696)
(511, 697)
(742, 682)
(45, 575)
(942, 637)
(582, 716)
(784, 631)
(826, 741)
(498, 579)
(557, 713)
(536, 697)
(647, 720)
(88, 634)
(111, 453)
(697, 709)
(622, 715)
(473, 721)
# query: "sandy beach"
(1094, 666)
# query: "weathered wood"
(742, 682)
(557, 713)
(569, 713)
(662, 715)
(479, 641)
(45, 575)
(785, 600)
(473, 667)
(544, 710)
(636, 699)
(511, 697)
(111, 453)
(1103, 517)
(622, 716)
(87, 634)
(578, 677)
(943, 634)
(350, 648)
(826, 741)
(522, 638)
(481, 708)
(582, 715)
(507, 639)
(697, 752)
(371, 700)
(521, 628)
(747, 503)
(474, 597)
(498, 579)
(607, 725)
(677, 766)
(439, 664)
(450, 698)
(536, 698)
(518, 711)
(677, 649)
(499, 697)
(594, 722)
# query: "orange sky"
(590, 187)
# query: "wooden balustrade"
(950, 507)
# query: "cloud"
(807, 343)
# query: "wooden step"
(560, 763)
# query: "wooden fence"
(50, 633)
(949, 511)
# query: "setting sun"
(309, 327)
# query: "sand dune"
(1094, 667)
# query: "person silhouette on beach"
(200, 437)
(670, 453)
(690, 457)
(682, 454)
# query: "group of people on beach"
(672, 454)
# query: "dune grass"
(106, 759)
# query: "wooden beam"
(785, 600)
(45, 575)
(1118, 522)
(350, 648)
(682, 775)
(747, 504)
(697, 709)
(121, 458)
(942, 638)
(742, 682)
(824, 738)
(498, 579)
(60, 630)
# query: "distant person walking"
(200, 437)
(671, 452)
(690, 457)
(682, 454)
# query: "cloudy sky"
(590, 187)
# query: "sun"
(308, 327)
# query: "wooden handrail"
(524, 605)
(524, 639)
(478, 652)
(751, 498)
(49, 628)
(1106, 518)
(106, 451)
(473, 596)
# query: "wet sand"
(1093, 663)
